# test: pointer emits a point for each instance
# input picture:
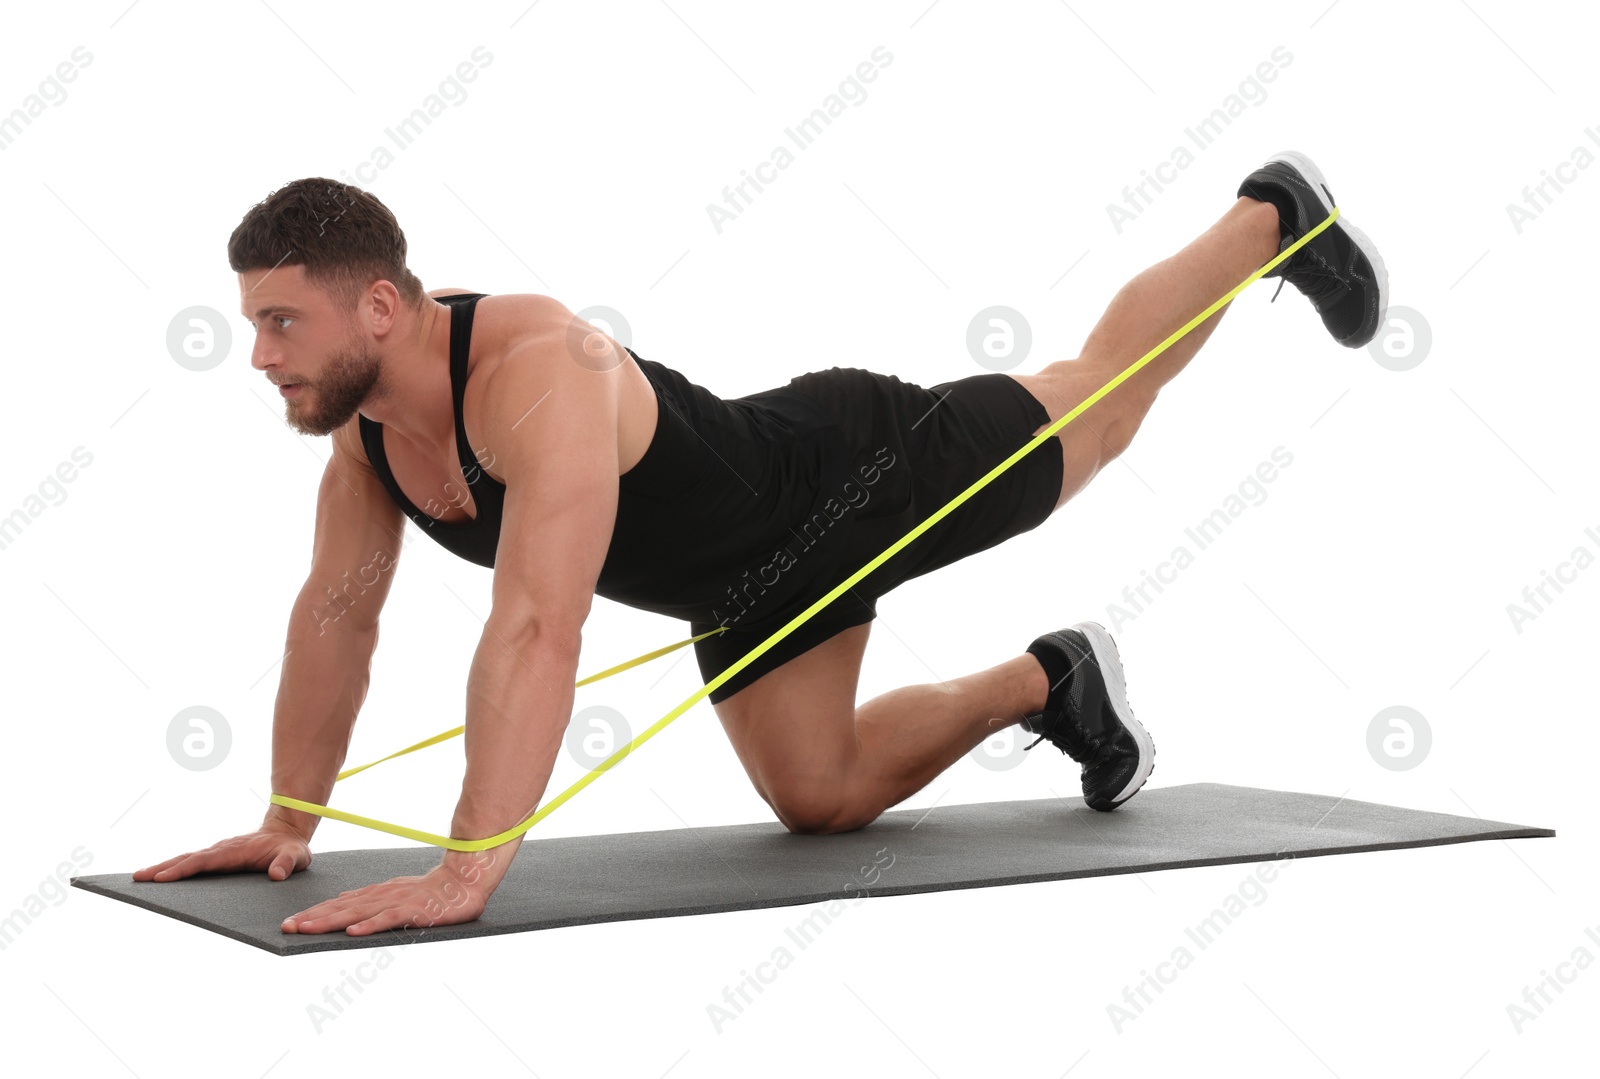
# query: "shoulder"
(551, 387)
(528, 335)
(502, 322)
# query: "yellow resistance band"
(549, 807)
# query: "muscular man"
(523, 439)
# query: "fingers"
(357, 919)
(188, 867)
(388, 918)
(184, 865)
(314, 919)
(373, 909)
(149, 871)
(288, 859)
(322, 918)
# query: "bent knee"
(1122, 424)
(1117, 417)
(1105, 430)
(820, 814)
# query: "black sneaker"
(1340, 271)
(1087, 716)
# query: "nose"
(262, 356)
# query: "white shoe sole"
(1105, 654)
(1309, 170)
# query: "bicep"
(560, 463)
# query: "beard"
(327, 404)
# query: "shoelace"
(1042, 737)
(1316, 280)
(1317, 285)
(1076, 742)
(1093, 750)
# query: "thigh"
(794, 727)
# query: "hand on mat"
(277, 849)
(443, 896)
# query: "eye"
(282, 318)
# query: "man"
(521, 438)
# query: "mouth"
(289, 389)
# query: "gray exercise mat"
(603, 878)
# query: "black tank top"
(717, 523)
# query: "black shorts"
(911, 449)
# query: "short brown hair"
(344, 237)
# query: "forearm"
(320, 691)
(519, 701)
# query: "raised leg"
(1144, 312)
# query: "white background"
(976, 172)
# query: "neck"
(413, 397)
